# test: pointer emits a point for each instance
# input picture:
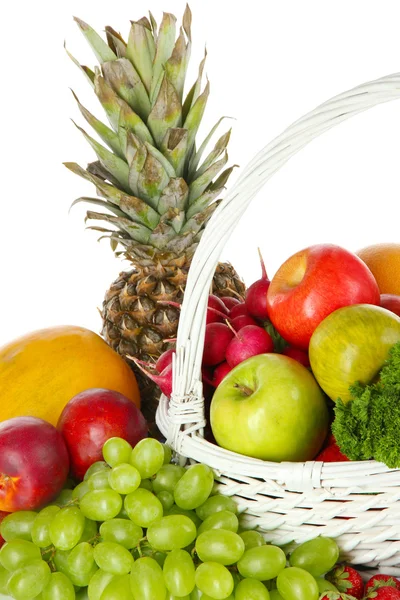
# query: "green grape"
(167, 454)
(219, 545)
(80, 560)
(214, 580)
(179, 573)
(176, 510)
(147, 580)
(166, 499)
(113, 558)
(121, 531)
(215, 504)
(252, 539)
(317, 556)
(41, 526)
(325, 586)
(89, 531)
(116, 451)
(81, 594)
(60, 560)
(147, 484)
(64, 498)
(194, 487)
(18, 525)
(297, 584)
(262, 562)
(28, 581)
(251, 589)
(80, 490)
(17, 553)
(221, 520)
(59, 587)
(118, 589)
(148, 457)
(171, 532)
(143, 507)
(196, 594)
(78, 578)
(275, 595)
(100, 505)
(167, 478)
(169, 596)
(98, 584)
(66, 528)
(4, 577)
(124, 478)
(99, 480)
(99, 465)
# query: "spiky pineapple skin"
(137, 319)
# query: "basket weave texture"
(358, 503)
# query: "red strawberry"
(336, 596)
(381, 580)
(384, 593)
(331, 452)
(347, 580)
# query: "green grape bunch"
(140, 527)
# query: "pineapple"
(155, 190)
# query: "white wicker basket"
(358, 503)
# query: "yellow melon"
(40, 372)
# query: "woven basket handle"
(186, 408)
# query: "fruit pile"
(139, 527)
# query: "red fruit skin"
(237, 310)
(347, 580)
(300, 355)
(34, 463)
(331, 453)
(90, 418)
(2, 515)
(391, 302)
(256, 299)
(215, 316)
(250, 341)
(384, 593)
(164, 360)
(217, 338)
(217, 304)
(381, 580)
(230, 302)
(313, 283)
(220, 372)
(242, 321)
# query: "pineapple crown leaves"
(151, 179)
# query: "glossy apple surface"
(313, 283)
(91, 418)
(391, 302)
(34, 463)
(351, 345)
(270, 407)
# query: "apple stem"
(244, 389)
(263, 269)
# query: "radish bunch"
(235, 331)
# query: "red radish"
(220, 373)
(300, 355)
(164, 360)
(215, 316)
(217, 338)
(249, 341)
(163, 379)
(217, 304)
(238, 309)
(242, 321)
(256, 295)
(230, 302)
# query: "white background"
(269, 63)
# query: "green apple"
(350, 345)
(270, 407)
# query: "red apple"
(34, 463)
(2, 515)
(313, 283)
(391, 302)
(91, 418)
